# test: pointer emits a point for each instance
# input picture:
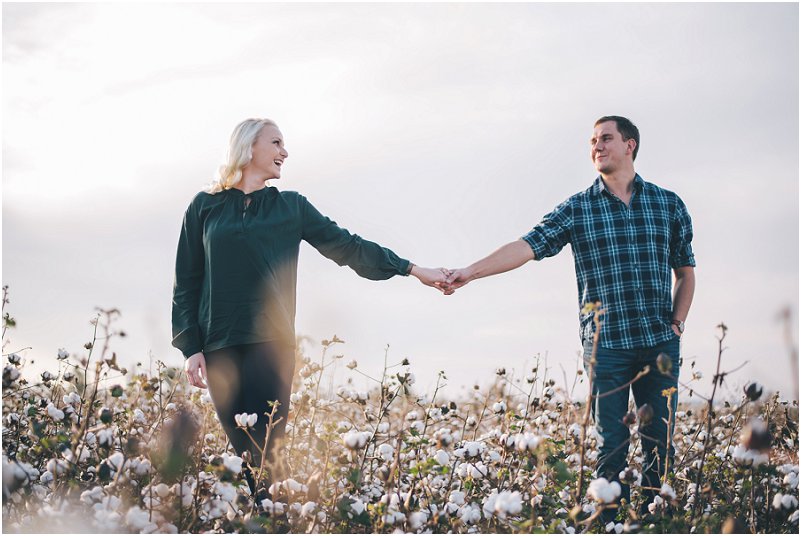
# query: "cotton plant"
(378, 456)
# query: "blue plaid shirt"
(623, 257)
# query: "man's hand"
(433, 277)
(458, 278)
(195, 367)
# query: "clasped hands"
(442, 279)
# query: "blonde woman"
(233, 308)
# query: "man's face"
(608, 150)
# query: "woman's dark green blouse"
(236, 268)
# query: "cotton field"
(89, 446)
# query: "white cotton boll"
(656, 504)
(11, 372)
(307, 509)
(293, 485)
(499, 407)
(457, 497)
(435, 414)
(105, 437)
(137, 518)
(417, 519)
(442, 457)
(604, 491)
(469, 515)
(417, 426)
(142, 466)
(46, 478)
(92, 496)
(386, 451)
(788, 502)
(574, 430)
(748, 457)
(57, 467)
(138, 415)
(357, 506)
(116, 460)
(356, 440)
(412, 416)
(161, 489)
(667, 492)
(55, 413)
(488, 506)
(507, 503)
(383, 428)
(72, 399)
(226, 491)
(232, 463)
(473, 448)
(791, 480)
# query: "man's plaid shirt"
(623, 257)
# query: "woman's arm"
(366, 258)
(189, 271)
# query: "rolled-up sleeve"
(552, 233)
(366, 258)
(681, 237)
(189, 268)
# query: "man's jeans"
(613, 369)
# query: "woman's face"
(268, 153)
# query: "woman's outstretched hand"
(433, 277)
(195, 367)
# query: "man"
(626, 235)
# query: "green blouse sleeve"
(366, 258)
(189, 264)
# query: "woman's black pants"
(248, 378)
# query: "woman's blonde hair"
(240, 151)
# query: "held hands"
(442, 279)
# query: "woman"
(233, 308)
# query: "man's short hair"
(626, 128)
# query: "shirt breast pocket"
(657, 232)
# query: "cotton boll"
(355, 440)
(357, 506)
(417, 519)
(232, 463)
(386, 451)
(603, 491)
(307, 509)
(137, 518)
(55, 413)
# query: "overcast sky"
(441, 131)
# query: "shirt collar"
(599, 185)
(255, 194)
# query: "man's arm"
(683, 292)
(512, 255)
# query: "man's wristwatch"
(679, 324)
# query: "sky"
(440, 131)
